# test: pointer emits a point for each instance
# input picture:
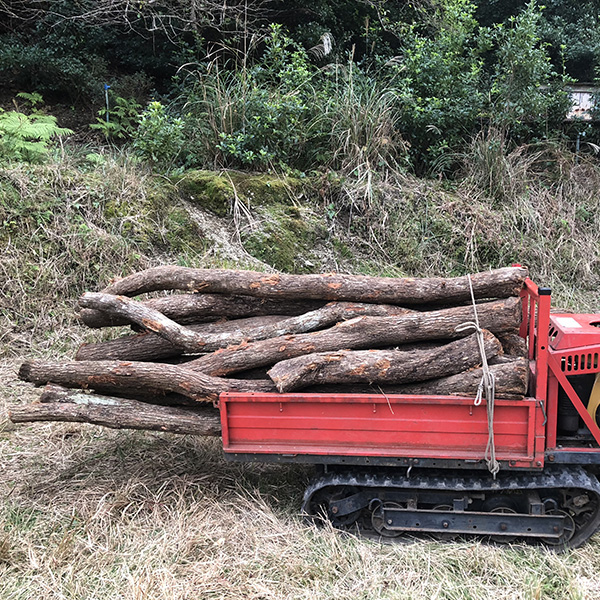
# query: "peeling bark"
(382, 366)
(196, 308)
(361, 333)
(117, 413)
(192, 341)
(138, 377)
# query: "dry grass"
(92, 513)
(88, 513)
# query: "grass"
(94, 513)
(89, 513)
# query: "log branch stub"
(382, 366)
(112, 376)
(362, 333)
(499, 283)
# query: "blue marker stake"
(106, 88)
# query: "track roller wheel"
(377, 522)
(501, 505)
(321, 506)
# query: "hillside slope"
(72, 225)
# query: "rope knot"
(486, 386)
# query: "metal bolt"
(334, 510)
(551, 458)
(539, 463)
(445, 524)
(503, 527)
(389, 521)
(555, 529)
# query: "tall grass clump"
(277, 110)
(363, 119)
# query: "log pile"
(218, 330)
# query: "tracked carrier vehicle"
(396, 464)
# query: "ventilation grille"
(579, 362)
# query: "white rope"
(486, 386)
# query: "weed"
(119, 120)
(28, 137)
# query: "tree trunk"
(360, 333)
(153, 348)
(500, 283)
(118, 413)
(382, 366)
(194, 342)
(195, 308)
(511, 384)
(111, 377)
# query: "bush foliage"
(361, 87)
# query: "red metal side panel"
(378, 425)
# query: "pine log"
(153, 348)
(119, 413)
(360, 333)
(500, 283)
(140, 377)
(193, 342)
(511, 384)
(382, 366)
(196, 308)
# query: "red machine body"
(435, 431)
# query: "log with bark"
(193, 342)
(513, 344)
(353, 339)
(362, 333)
(111, 377)
(196, 308)
(511, 384)
(151, 347)
(60, 404)
(382, 366)
(499, 283)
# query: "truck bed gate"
(376, 425)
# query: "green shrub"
(47, 69)
(159, 137)
(122, 119)
(527, 95)
(440, 77)
(257, 116)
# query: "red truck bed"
(393, 426)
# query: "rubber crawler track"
(553, 478)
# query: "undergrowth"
(77, 221)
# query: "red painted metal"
(569, 331)
(376, 425)
(572, 394)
